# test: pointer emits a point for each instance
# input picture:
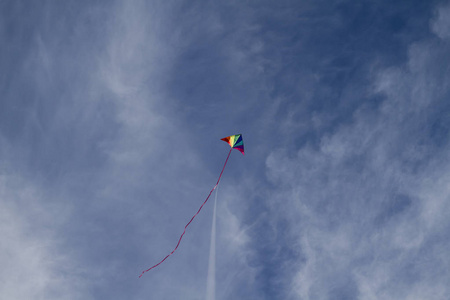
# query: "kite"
(236, 142)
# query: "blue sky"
(111, 114)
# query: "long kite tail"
(179, 240)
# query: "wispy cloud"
(110, 120)
(32, 265)
(367, 205)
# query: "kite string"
(179, 240)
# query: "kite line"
(179, 240)
(236, 142)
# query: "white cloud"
(371, 198)
(441, 23)
(360, 205)
(33, 265)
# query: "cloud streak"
(110, 120)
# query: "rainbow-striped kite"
(236, 142)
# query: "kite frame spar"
(235, 142)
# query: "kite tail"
(179, 240)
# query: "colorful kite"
(236, 142)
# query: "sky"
(111, 115)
